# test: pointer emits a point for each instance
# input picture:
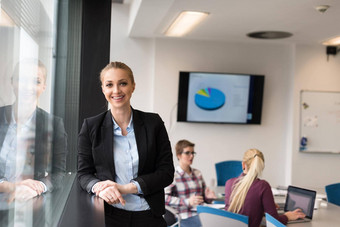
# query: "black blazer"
(50, 146)
(155, 171)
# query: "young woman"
(251, 196)
(188, 188)
(33, 143)
(124, 155)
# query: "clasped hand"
(110, 191)
(25, 190)
(22, 193)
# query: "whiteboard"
(320, 121)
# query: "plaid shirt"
(177, 194)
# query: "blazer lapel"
(5, 118)
(141, 139)
(107, 133)
(43, 130)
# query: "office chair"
(220, 218)
(226, 170)
(333, 193)
(172, 218)
(272, 222)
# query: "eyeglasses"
(189, 153)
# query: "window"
(36, 120)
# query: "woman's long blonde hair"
(254, 160)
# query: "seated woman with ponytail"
(248, 195)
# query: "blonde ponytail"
(254, 160)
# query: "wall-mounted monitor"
(220, 98)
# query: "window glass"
(33, 139)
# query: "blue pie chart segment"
(209, 99)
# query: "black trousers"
(115, 217)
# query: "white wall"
(156, 65)
(136, 53)
(217, 142)
(314, 72)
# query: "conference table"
(327, 215)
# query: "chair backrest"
(333, 193)
(171, 216)
(226, 170)
(212, 217)
(272, 222)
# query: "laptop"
(300, 198)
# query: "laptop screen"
(300, 198)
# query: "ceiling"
(231, 20)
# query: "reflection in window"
(33, 142)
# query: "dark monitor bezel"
(255, 96)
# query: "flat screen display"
(220, 98)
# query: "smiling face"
(117, 87)
(186, 157)
(29, 83)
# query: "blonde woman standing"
(124, 155)
(248, 195)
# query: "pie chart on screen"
(209, 98)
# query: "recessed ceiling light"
(332, 42)
(322, 8)
(269, 35)
(185, 22)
